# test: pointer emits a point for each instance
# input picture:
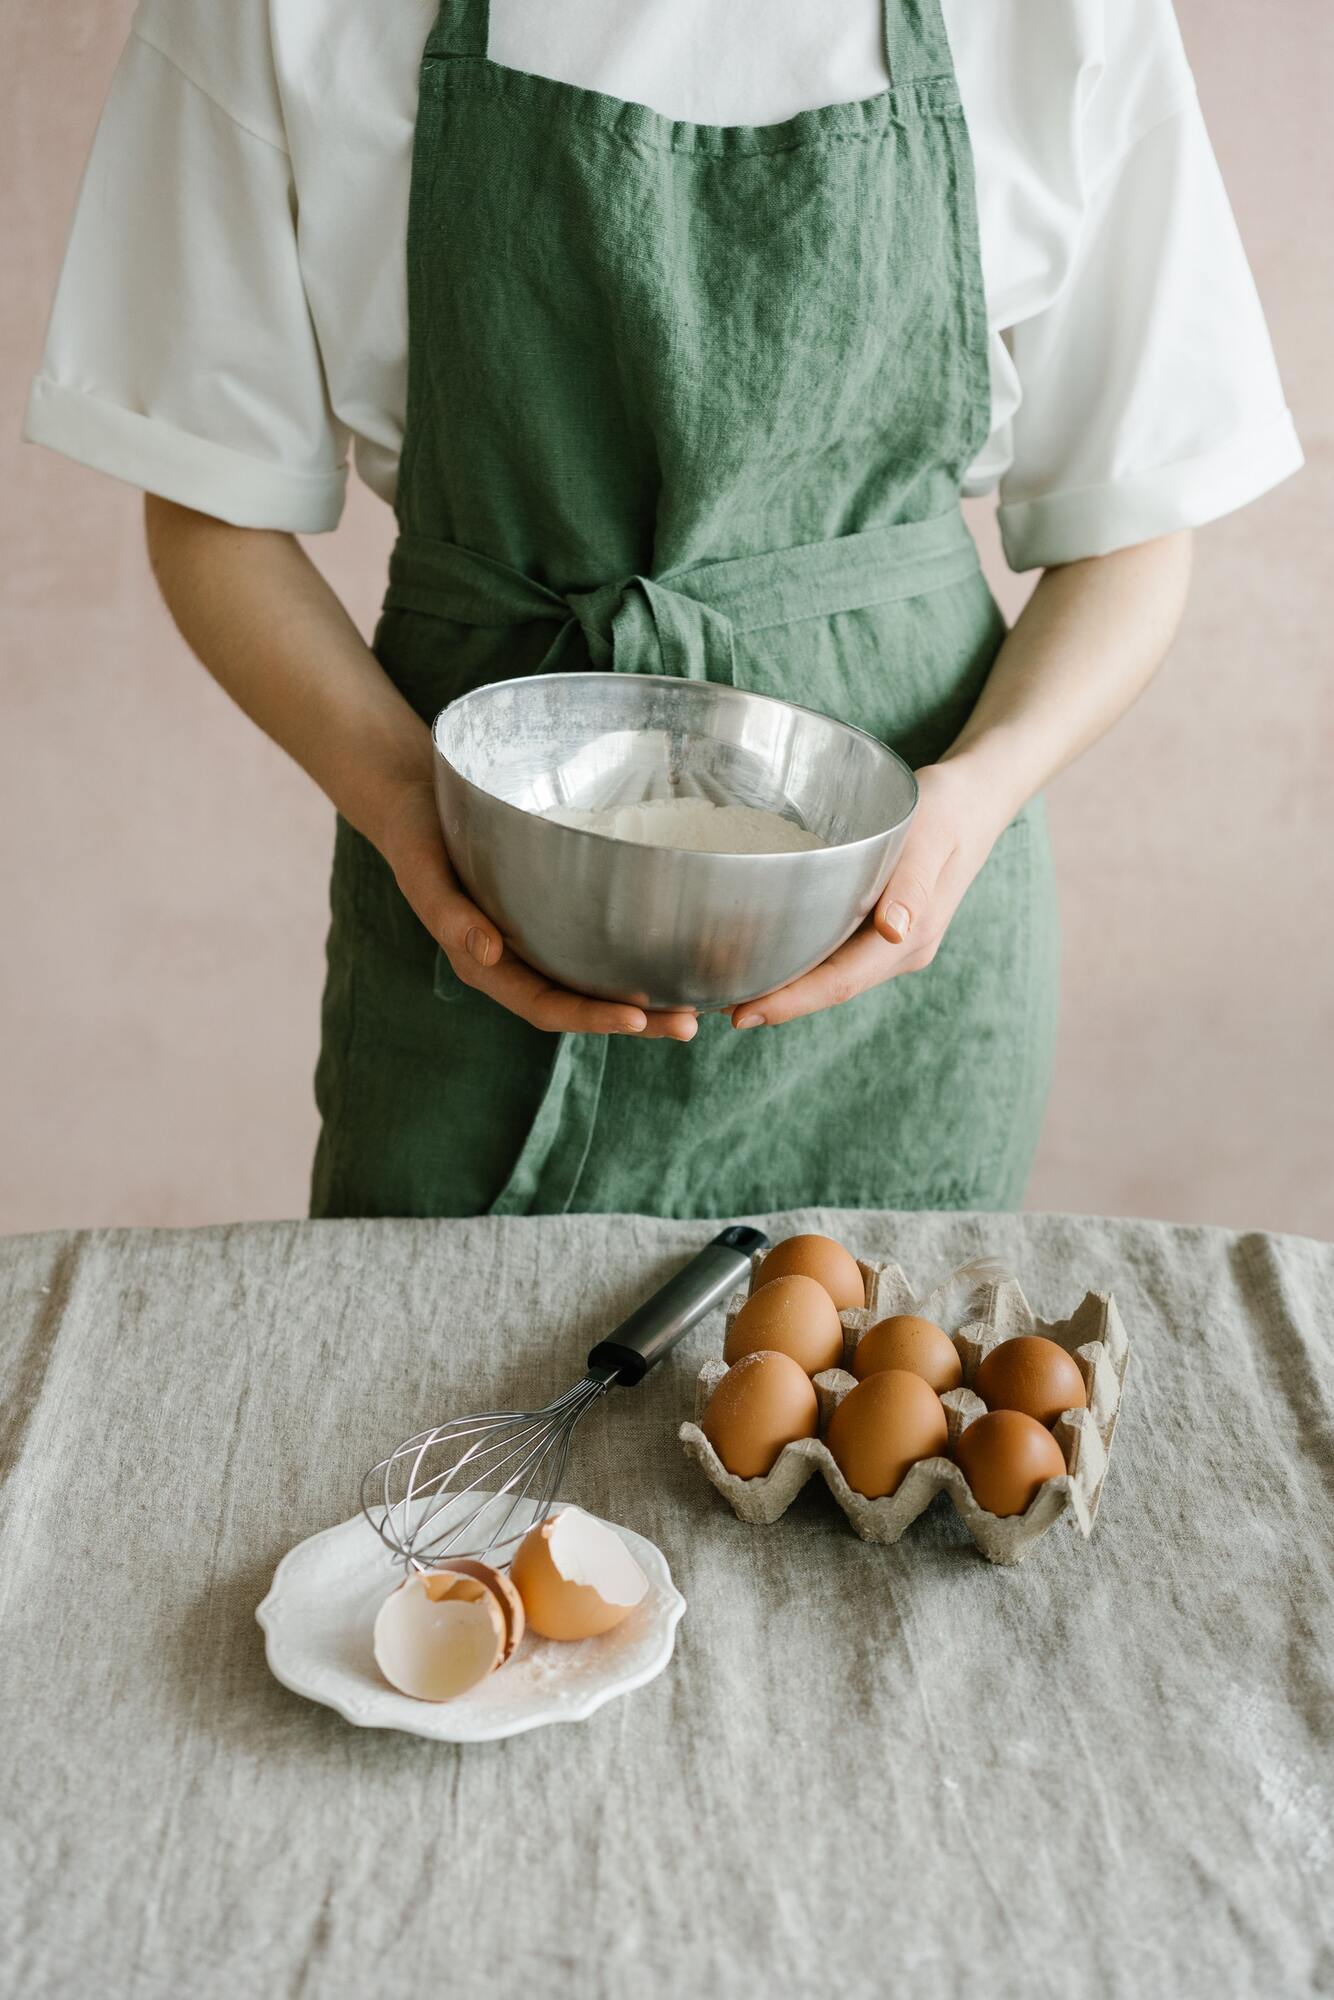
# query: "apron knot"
(684, 622)
(642, 625)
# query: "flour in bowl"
(696, 825)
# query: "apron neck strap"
(916, 44)
(462, 28)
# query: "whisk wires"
(422, 1512)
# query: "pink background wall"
(162, 909)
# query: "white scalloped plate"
(317, 1621)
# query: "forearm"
(1088, 642)
(275, 637)
(272, 633)
(1090, 639)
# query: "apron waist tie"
(684, 622)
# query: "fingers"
(905, 902)
(903, 935)
(474, 948)
(864, 961)
(543, 1004)
(556, 1010)
(869, 957)
(676, 1026)
(461, 930)
(476, 951)
(903, 909)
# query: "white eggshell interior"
(437, 1649)
(584, 1551)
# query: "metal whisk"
(454, 1490)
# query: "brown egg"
(576, 1576)
(793, 1316)
(1006, 1457)
(763, 1402)
(1031, 1375)
(917, 1345)
(822, 1259)
(884, 1426)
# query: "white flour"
(696, 825)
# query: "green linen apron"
(691, 399)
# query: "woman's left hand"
(953, 831)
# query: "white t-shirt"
(232, 311)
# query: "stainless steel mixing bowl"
(655, 926)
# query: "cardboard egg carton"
(979, 1305)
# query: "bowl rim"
(679, 681)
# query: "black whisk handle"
(641, 1340)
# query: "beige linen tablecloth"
(866, 1771)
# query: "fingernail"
(688, 1033)
(895, 918)
(479, 946)
(751, 1021)
(636, 1027)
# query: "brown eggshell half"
(576, 1577)
(763, 1402)
(439, 1634)
(1006, 1457)
(913, 1344)
(508, 1598)
(817, 1257)
(1031, 1375)
(883, 1427)
(793, 1316)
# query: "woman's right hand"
(412, 844)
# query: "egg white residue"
(696, 826)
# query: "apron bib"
(691, 399)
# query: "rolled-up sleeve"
(1149, 395)
(180, 354)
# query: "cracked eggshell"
(508, 1598)
(438, 1634)
(576, 1577)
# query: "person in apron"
(720, 308)
(699, 399)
